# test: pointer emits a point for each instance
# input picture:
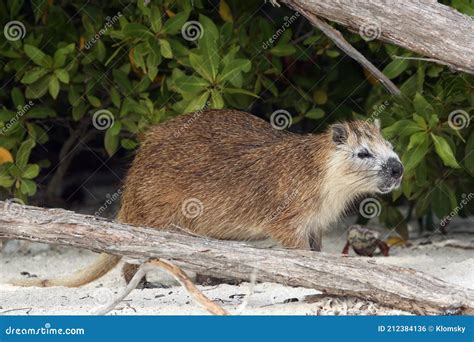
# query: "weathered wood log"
(423, 26)
(397, 287)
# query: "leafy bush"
(72, 72)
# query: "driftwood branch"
(344, 45)
(397, 287)
(426, 27)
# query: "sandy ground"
(452, 264)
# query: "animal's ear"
(377, 123)
(339, 133)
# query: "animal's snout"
(395, 168)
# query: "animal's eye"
(364, 154)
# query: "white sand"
(454, 265)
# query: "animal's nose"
(395, 168)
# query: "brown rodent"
(227, 174)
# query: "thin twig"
(345, 46)
(184, 280)
(141, 272)
(178, 274)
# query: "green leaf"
(197, 103)
(60, 55)
(123, 82)
(33, 75)
(417, 139)
(217, 101)
(30, 171)
(94, 101)
(165, 48)
(315, 113)
(413, 157)
(209, 54)
(395, 68)
(209, 28)
(17, 97)
(155, 19)
(198, 64)
(422, 106)
(111, 141)
(469, 153)
(240, 91)
(283, 50)
(40, 113)
(174, 24)
(401, 128)
(37, 89)
(38, 56)
(28, 187)
(444, 151)
(190, 84)
(23, 153)
(6, 115)
(128, 144)
(53, 86)
(62, 75)
(6, 181)
(134, 30)
(233, 68)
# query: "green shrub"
(113, 70)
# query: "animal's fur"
(247, 180)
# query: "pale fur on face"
(363, 175)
